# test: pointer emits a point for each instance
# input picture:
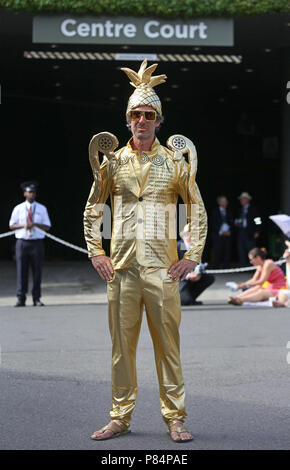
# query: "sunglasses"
(135, 115)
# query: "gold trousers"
(128, 292)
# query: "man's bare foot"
(278, 304)
(179, 433)
(108, 433)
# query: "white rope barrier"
(48, 235)
(63, 242)
(82, 250)
(7, 234)
(232, 270)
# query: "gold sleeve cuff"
(96, 252)
(192, 257)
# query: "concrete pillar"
(285, 180)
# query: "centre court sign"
(134, 31)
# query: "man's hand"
(29, 225)
(180, 269)
(256, 235)
(103, 265)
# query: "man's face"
(142, 129)
(244, 201)
(223, 202)
(29, 196)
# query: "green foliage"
(163, 8)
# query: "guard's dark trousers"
(29, 253)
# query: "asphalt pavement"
(55, 378)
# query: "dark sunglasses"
(135, 115)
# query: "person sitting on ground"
(196, 281)
(265, 283)
(283, 297)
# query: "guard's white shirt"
(39, 216)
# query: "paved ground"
(77, 283)
(55, 369)
(55, 379)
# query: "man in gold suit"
(144, 180)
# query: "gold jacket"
(144, 190)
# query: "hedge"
(163, 8)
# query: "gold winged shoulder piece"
(181, 145)
(104, 142)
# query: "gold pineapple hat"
(144, 95)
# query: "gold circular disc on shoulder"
(177, 142)
(105, 142)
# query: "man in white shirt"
(26, 218)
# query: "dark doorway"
(230, 111)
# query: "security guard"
(26, 218)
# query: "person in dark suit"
(222, 229)
(26, 218)
(196, 281)
(248, 227)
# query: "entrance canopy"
(257, 40)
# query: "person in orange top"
(266, 282)
(283, 297)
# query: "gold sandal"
(111, 427)
(179, 430)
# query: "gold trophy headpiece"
(144, 95)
